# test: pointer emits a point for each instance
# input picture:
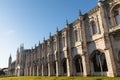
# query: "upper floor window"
(48, 48)
(76, 35)
(63, 41)
(55, 45)
(93, 27)
(117, 16)
(119, 56)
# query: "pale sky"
(29, 21)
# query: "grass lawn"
(58, 78)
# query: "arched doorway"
(64, 66)
(99, 62)
(78, 65)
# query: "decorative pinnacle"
(44, 38)
(50, 34)
(10, 55)
(66, 22)
(39, 42)
(32, 48)
(80, 13)
(57, 29)
(35, 45)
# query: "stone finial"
(99, 2)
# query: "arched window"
(55, 67)
(54, 45)
(63, 41)
(93, 27)
(99, 61)
(117, 17)
(78, 64)
(76, 35)
(116, 14)
(64, 66)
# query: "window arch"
(115, 15)
(94, 27)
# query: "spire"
(10, 59)
(50, 34)
(35, 45)
(32, 48)
(10, 56)
(66, 22)
(80, 13)
(57, 29)
(44, 39)
(39, 42)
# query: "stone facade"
(88, 46)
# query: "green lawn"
(58, 78)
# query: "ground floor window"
(78, 64)
(99, 61)
(64, 66)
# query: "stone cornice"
(94, 10)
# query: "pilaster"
(108, 50)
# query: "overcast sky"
(29, 21)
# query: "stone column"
(37, 70)
(30, 71)
(86, 69)
(42, 70)
(57, 68)
(110, 64)
(108, 46)
(27, 71)
(68, 67)
(49, 69)
(33, 71)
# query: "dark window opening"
(64, 66)
(94, 27)
(99, 62)
(78, 64)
